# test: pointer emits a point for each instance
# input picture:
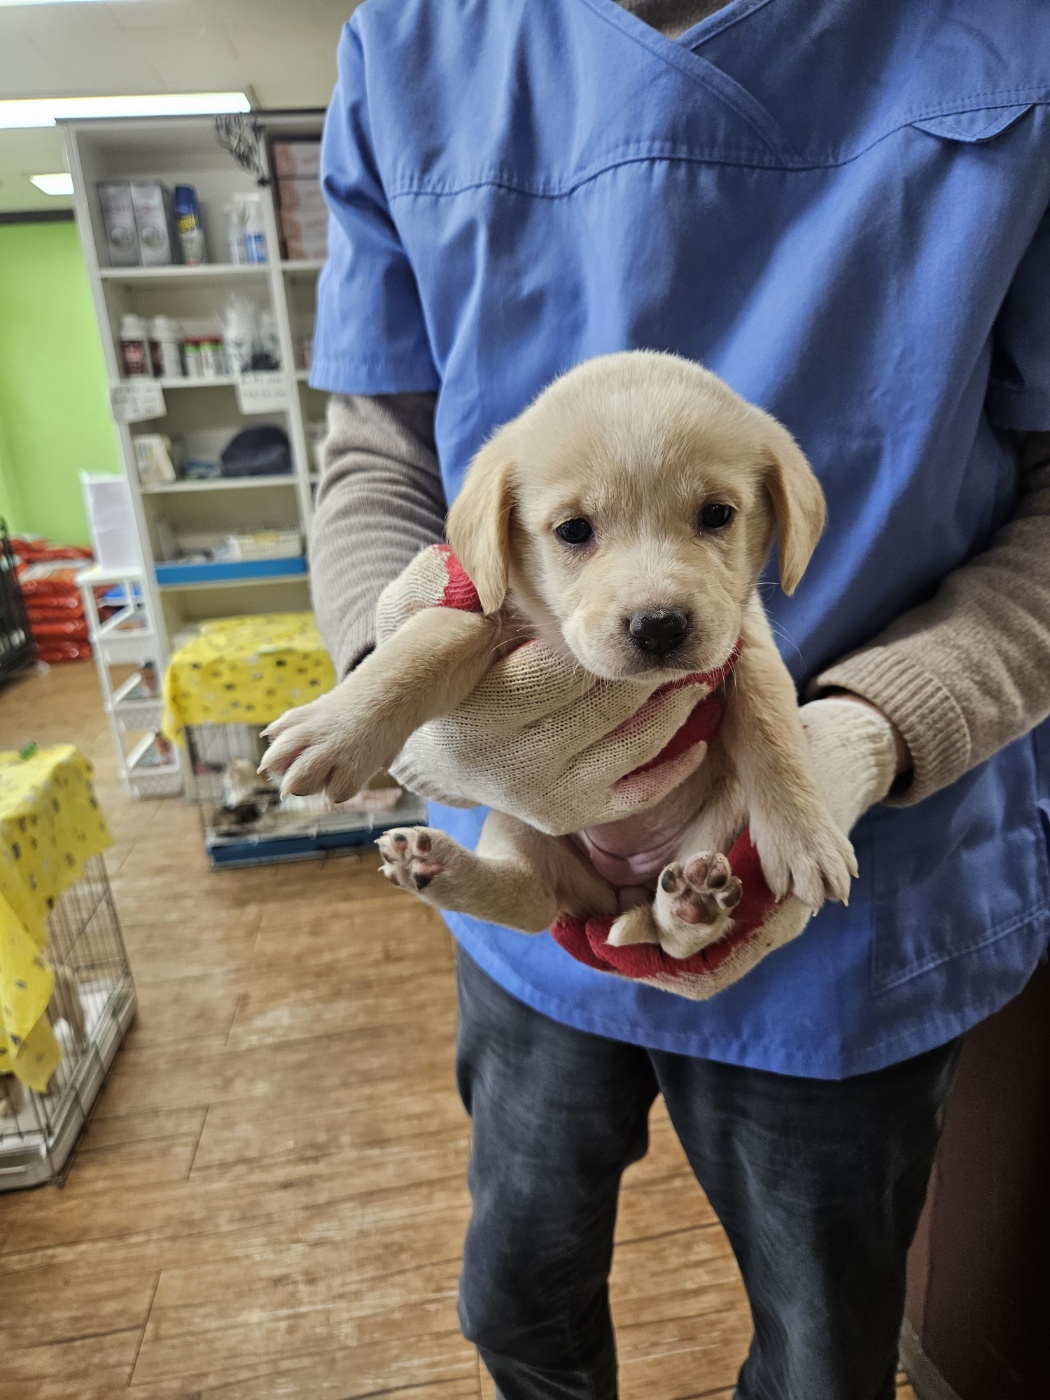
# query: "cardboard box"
(305, 249)
(304, 225)
(296, 160)
(118, 219)
(305, 234)
(306, 195)
(154, 222)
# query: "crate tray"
(306, 840)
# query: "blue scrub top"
(839, 208)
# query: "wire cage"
(245, 821)
(16, 645)
(91, 1007)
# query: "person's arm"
(380, 501)
(380, 496)
(966, 673)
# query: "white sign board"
(137, 400)
(262, 393)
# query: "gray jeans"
(818, 1183)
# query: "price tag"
(136, 400)
(262, 393)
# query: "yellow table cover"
(246, 670)
(50, 824)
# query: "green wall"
(54, 414)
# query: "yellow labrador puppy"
(624, 517)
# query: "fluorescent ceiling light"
(45, 111)
(52, 184)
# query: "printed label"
(262, 393)
(137, 400)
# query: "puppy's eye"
(576, 531)
(715, 516)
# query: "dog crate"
(16, 646)
(224, 685)
(245, 821)
(91, 1007)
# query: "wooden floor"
(270, 1200)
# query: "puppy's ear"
(798, 505)
(478, 525)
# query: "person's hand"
(539, 738)
(854, 750)
(903, 757)
(856, 753)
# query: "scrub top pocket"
(1003, 875)
(976, 126)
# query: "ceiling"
(283, 49)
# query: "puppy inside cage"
(240, 805)
(91, 1006)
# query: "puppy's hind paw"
(694, 903)
(411, 860)
(701, 891)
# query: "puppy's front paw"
(814, 864)
(319, 747)
(694, 903)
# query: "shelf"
(229, 573)
(204, 414)
(143, 713)
(151, 779)
(97, 576)
(225, 483)
(176, 272)
(220, 381)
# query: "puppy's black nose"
(660, 631)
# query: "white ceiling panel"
(284, 50)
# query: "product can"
(190, 228)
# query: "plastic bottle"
(269, 341)
(188, 223)
(191, 348)
(254, 230)
(164, 345)
(134, 347)
(213, 360)
(235, 213)
(238, 328)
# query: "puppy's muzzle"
(659, 632)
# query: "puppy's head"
(628, 511)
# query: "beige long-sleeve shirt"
(961, 676)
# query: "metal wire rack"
(16, 647)
(244, 820)
(92, 1005)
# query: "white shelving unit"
(127, 653)
(203, 414)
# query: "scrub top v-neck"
(839, 208)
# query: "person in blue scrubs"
(841, 209)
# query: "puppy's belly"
(631, 853)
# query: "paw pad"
(408, 857)
(703, 891)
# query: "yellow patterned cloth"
(50, 824)
(246, 670)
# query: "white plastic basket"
(264, 544)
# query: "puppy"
(624, 517)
